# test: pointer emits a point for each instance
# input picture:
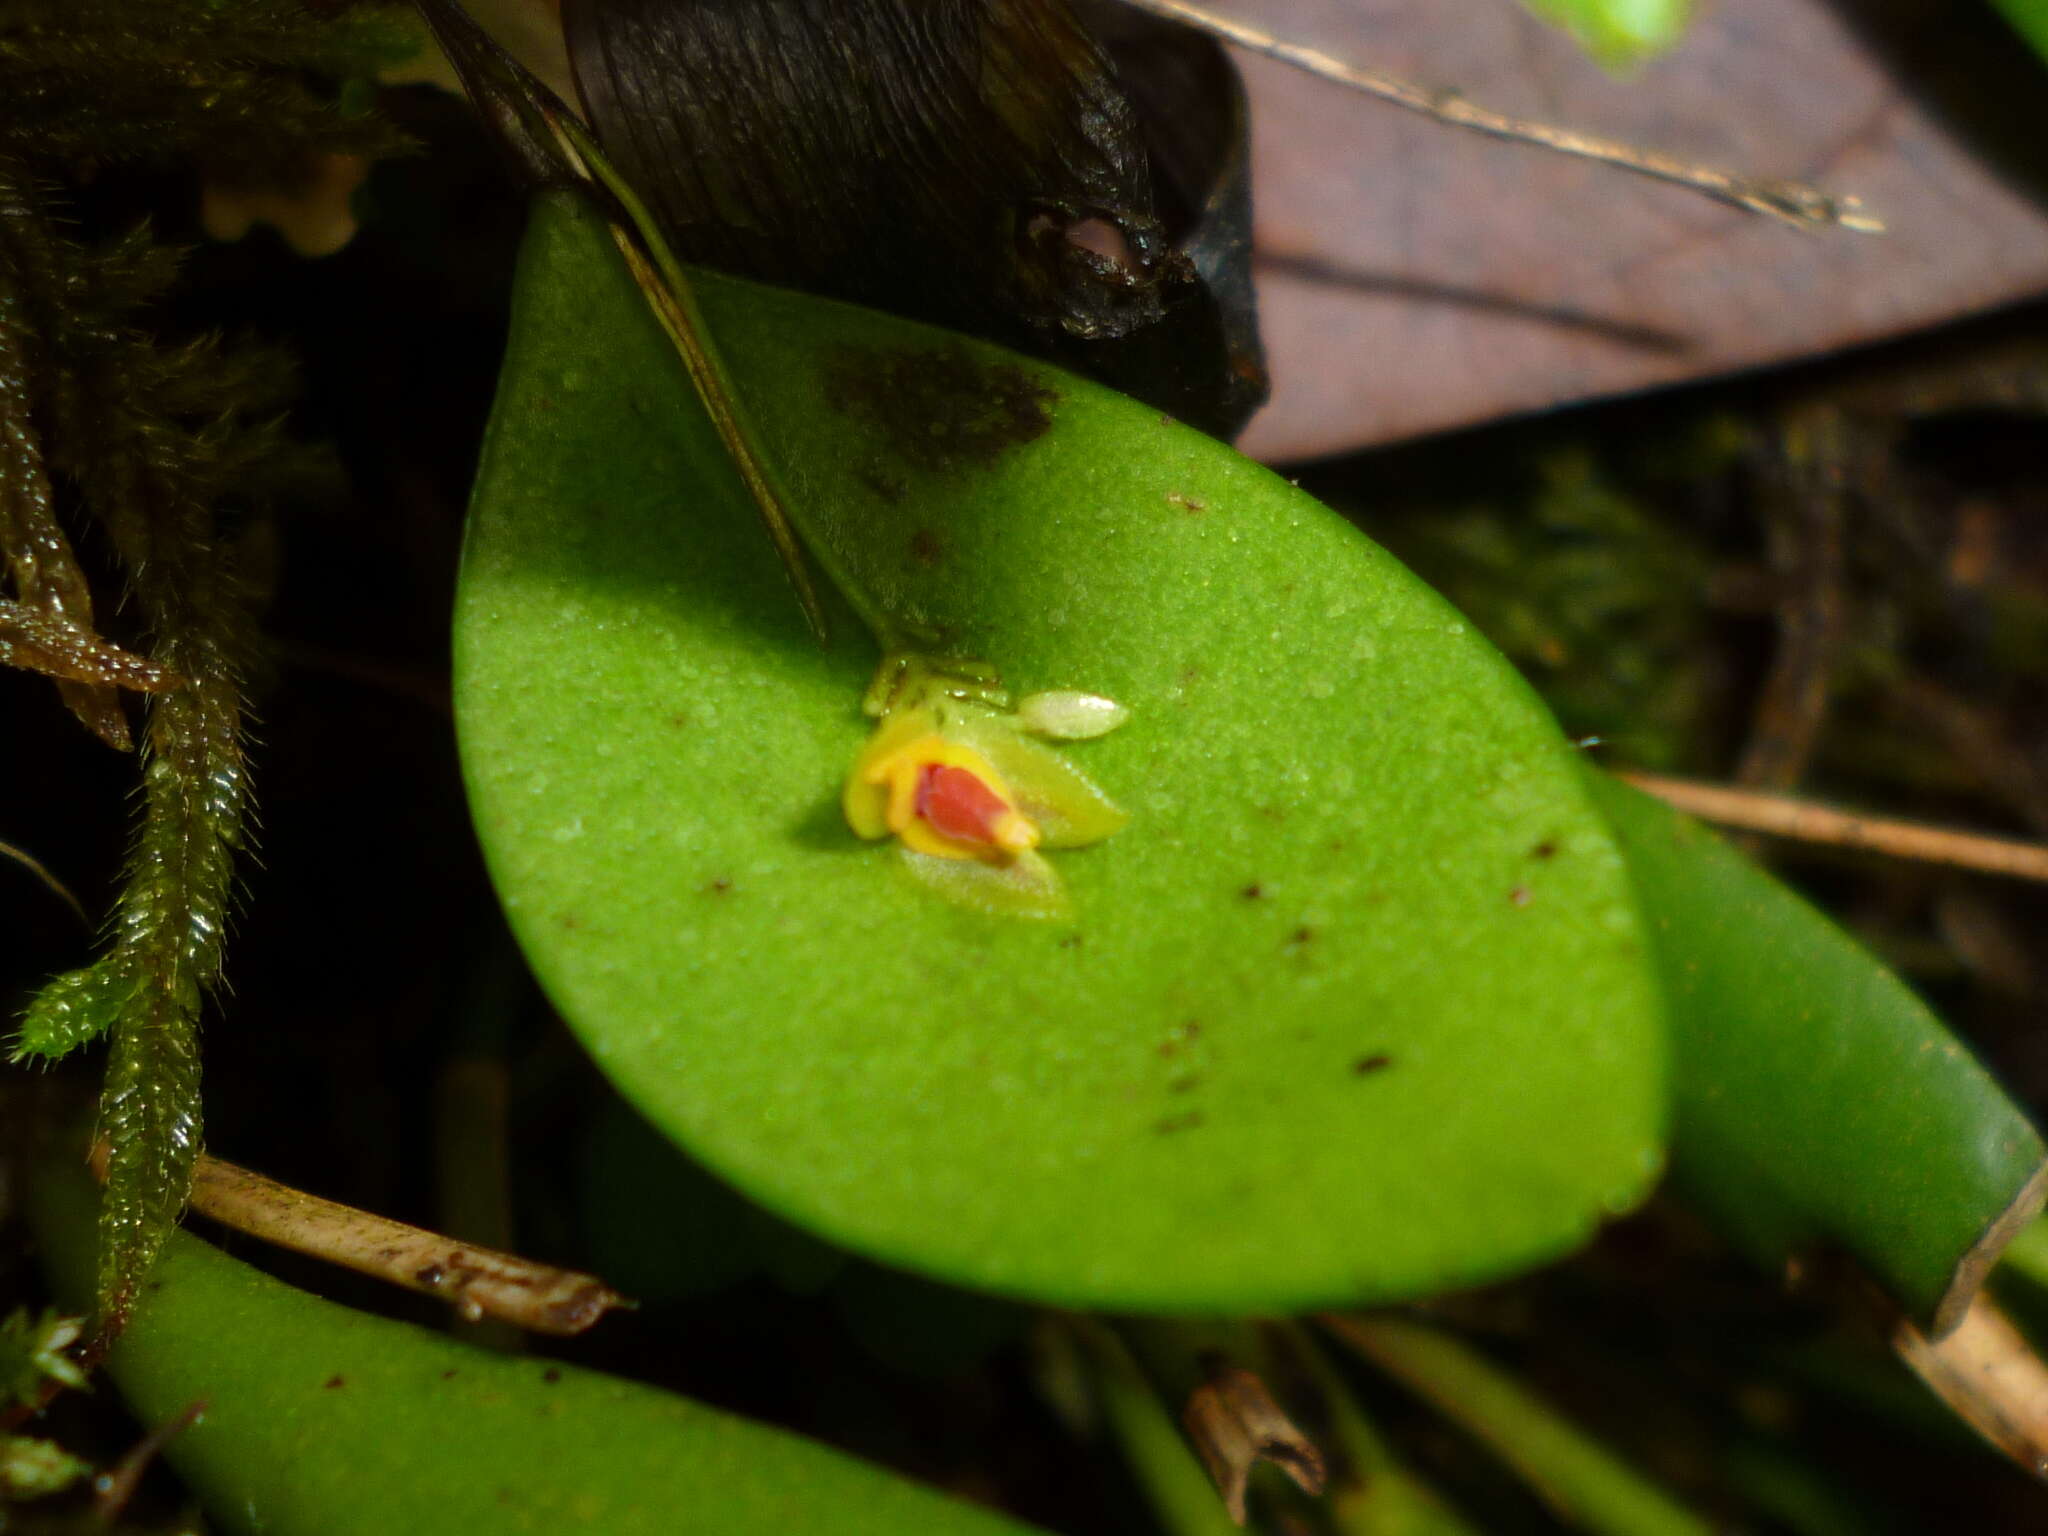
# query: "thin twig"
(478, 1282)
(1781, 816)
(1789, 201)
(28, 861)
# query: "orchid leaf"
(1820, 1106)
(324, 1421)
(1348, 1003)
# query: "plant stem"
(1587, 1484)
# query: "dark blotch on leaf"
(888, 487)
(939, 409)
(1365, 1066)
(333, 1382)
(550, 1375)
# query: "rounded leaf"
(1355, 1007)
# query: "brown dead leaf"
(1414, 278)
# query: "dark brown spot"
(1253, 891)
(1302, 935)
(941, 409)
(570, 920)
(1189, 503)
(927, 548)
(551, 1375)
(680, 722)
(333, 1382)
(888, 487)
(1544, 850)
(449, 1374)
(1172, 1123)
(1365, 1066)
(430, 1275)
(1519, 896)
(719, 886)
(1071, 941)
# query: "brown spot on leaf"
(551, 1375)
(1544, 850)
(1519, 896)
(941, 409)
(927, 548)
(332, 1383)
(449, 1374)
(719, 886)
(1253, 891)
(888, 487)
(1187, 503)
(1365, 1066)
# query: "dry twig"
(478, 1282)
(1782, 816)
(1788, 201)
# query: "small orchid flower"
(971, 798)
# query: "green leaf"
(1819, 1103)
(1354, 1007)
(2030, 19)
(73, 1010)
(1617, 32)
(323, 1421)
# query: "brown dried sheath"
(974, 163)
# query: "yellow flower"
(972, 799)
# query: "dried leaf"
(1236, 1424)
(860, 152)
(1413, 279)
